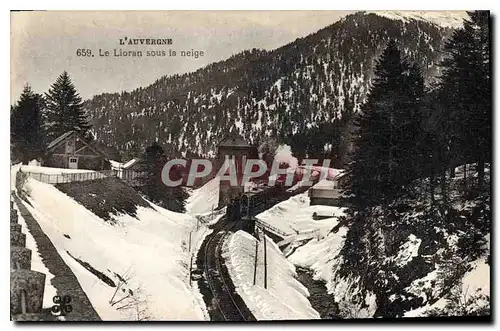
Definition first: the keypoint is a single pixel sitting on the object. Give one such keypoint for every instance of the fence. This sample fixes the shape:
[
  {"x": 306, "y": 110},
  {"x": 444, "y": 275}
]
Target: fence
[
  {"x": 301, "y": 235},
  {"x": 70, "y": 177},
  {"x": 131, "y": 177},
  {"x": 271, "y": 228}
]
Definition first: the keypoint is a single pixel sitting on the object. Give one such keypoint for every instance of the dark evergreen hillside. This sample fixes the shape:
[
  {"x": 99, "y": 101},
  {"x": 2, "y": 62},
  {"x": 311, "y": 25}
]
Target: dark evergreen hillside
[
  {"x": 422, "y": 185},
  {"x": 285, "y": 93}
]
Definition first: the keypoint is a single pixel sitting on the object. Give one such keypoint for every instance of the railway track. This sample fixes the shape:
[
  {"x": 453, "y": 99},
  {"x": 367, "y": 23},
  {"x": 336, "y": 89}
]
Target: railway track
[
  {"x": 225, "y": 300},
  {"x": 230, "y": 305}
]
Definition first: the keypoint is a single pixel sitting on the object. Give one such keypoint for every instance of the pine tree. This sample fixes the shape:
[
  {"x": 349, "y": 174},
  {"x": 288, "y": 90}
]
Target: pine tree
[
  {"x": 409, "y": 143},
  {"x": 386, "y": 157},
  {"x": 153, "y": 160},
  {"x": 465, "y": 93},
  {"x": 65, "y": 110},
  {"x": 26, "y": 126},
  {"x": 298, "y": 145}
]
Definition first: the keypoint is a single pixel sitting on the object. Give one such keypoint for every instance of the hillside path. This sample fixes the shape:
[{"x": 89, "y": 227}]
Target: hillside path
[{"x": 64, "y": 280}]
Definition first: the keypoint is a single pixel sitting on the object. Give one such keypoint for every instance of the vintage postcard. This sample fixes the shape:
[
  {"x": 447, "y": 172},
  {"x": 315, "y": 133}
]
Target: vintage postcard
[{"x": 250, "y": 165}]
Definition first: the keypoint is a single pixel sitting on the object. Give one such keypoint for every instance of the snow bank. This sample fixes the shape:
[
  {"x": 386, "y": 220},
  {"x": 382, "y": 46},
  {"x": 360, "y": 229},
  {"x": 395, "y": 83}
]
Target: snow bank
[
  {"x": 34, "y": 163},
  {"x": 295, "y": 215},
  {"x": 51, "y": 171},
  {"x": 325, "y": 184},
  {"x": 408, "y": 250},
  {"x": 150, "y": 248},
  {"x": 319, "y": 256},
  {"x": 474, "y": 283},
  {"x": 478, "y": 279},
  {"x": 13, "y": 172},
  {"x": 37, "y": 263},
  {"x": 204, "y": 199},
  {"x": 115, "y": 165},
  {"x": 285, "y": 297}
]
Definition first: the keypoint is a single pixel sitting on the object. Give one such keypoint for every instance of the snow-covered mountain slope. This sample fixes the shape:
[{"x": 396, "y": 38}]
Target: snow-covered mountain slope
[
  {"x": 409, "y": 262},
  {"x": 290, "y": 91},
  {"x": 149, "y": 251},
  {"x": 412, "y": 254},
  {"x": 472, "y": 294},
  {"x": 284, "y": 299},
  {"x": 444, "y": 18},
  {"x": 204, "y": 199}
]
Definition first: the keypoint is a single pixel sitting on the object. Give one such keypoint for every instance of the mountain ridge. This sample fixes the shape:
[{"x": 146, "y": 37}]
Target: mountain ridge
[
  {"x": 445, "y": 19},
  {"x": 313, "y": 81}
]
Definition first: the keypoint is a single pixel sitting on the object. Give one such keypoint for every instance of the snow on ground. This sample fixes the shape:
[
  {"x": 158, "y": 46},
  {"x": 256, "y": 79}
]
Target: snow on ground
[
  {"x": 204, "y": 199},
  {"x": 34, "y": 163},
  {"x": 444, "y": 18},
  {"x": 285, "y": 297},
  {"x": 152, "y": 249},
  {"x": 421, "y": 311},
  {"x": 319, "y": 256},
  {"x": 115, "y": 165},
  {"x": 295, "y": 215},
  {"x": 13, "y": 172},
  {"x": 325, "y": 184},
  {"x": 477, "y": 281},
  {"x": 200, "y": 237},
  {"x": 51, "y": 171},
  {"x": 120, "y": 166},
  {"x": 37, "y": 263},
  {"x": 130, "y": 162},
  {"x": 474, "y": 282},
  {"x": 408, "y": 250}
]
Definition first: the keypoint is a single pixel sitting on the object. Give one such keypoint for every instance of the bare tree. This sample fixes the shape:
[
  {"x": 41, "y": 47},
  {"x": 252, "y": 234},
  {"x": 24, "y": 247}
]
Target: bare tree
[{"x": 133, "y": 302}]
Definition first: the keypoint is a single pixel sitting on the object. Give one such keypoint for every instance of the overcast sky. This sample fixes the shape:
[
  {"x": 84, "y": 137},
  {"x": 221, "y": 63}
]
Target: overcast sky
[{"x": 43, "y": 44}]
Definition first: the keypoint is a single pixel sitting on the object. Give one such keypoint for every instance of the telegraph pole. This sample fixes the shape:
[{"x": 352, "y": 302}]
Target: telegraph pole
[
  {"x": 190, "y": 241},
  {"x": 255, "y": 261},
  {"x": 190, "y": 269},
  {"x": 265, "y": 259},
  {"x": 248, "y": 206}
]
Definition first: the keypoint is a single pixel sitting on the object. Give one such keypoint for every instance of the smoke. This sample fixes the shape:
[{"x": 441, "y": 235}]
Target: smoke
[
  {"x": 267, "y": 147},
  {"x": 284, "y": 154}
]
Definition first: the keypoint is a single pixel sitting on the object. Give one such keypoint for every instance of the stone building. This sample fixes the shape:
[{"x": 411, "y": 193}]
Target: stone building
[
  {"x": 328, "y": 192},
  {"x": 233, "y": 148}
]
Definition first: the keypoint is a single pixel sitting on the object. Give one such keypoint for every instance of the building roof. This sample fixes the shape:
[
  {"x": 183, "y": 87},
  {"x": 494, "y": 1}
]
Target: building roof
[
  {"x": 62, "y": 137},
  {"x": 56, "y": 142},
  {"x": 111, "y": 152},
  {"x": 342, "y": 174},
  {"x": 130, "y": 163},
  {"x": 325, "y": 184},
  {"x": 233, "y": 139}
]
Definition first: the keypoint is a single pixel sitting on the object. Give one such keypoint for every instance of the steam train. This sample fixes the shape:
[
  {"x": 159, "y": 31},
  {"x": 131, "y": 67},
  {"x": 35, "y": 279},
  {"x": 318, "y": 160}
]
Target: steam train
[
  {"x": 254, "y": 201},
  {"x": 262, "y": 196}
]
